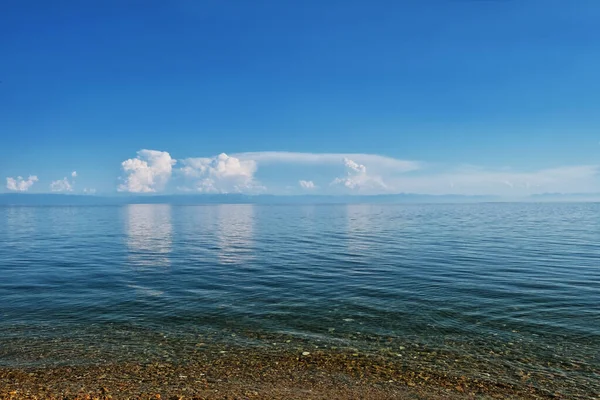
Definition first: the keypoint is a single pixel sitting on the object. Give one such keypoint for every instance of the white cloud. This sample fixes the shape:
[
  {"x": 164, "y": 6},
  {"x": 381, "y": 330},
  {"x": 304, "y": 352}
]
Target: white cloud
[
  {"x": 221, "y": 174},
  {"x": 364, "y": 174},
  {"x": 148, "y": 172},
  {"x": 62, "y": 185},
  {"x": 357, "y": 178},
  {"x": 374, "y": 161},
  {"x": 307, "y": 184},
  {"x": 361, "y": 169},
  {"x": 19, "y": 184},
  {"x": 479, "y": 181},
  {"x": 89, "y": 191}
]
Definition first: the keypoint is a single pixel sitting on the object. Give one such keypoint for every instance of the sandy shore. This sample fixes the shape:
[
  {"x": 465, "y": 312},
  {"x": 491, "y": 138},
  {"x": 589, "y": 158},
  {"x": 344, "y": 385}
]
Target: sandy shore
[{"x": 257, "y": 375}]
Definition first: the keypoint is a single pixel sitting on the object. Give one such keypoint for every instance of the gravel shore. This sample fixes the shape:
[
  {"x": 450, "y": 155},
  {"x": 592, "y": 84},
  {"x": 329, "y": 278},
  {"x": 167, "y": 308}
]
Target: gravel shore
[{"x": 245, "y": 374}]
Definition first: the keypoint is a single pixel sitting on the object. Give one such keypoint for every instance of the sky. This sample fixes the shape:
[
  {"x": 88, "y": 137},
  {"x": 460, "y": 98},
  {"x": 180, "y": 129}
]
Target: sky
[{"x": 492, "y": 97}]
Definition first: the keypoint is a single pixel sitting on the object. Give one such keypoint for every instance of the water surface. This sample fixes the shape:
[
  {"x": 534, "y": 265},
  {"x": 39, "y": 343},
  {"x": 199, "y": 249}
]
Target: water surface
[{"x": 509, "y": 289}]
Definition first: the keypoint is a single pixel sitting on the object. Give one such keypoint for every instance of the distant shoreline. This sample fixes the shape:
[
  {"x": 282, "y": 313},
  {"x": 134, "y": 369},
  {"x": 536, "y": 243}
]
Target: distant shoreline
[{"x": 39, "y": 199}]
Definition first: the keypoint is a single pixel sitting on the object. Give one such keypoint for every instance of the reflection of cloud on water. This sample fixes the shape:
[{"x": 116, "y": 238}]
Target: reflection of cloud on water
[
  {"x": 235, "y": 230},
  {"x": 19, "y": 231},
  {"x": 144, "y": 291},
  {"x": 360, "y": 227},
  {"x": 149, "y": 234},
  {"x": 19, "y": 220}
]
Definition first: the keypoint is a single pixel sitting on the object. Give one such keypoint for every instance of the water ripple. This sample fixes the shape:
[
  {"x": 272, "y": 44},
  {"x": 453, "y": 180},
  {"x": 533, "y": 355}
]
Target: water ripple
[{"x": 476, "y": 276}]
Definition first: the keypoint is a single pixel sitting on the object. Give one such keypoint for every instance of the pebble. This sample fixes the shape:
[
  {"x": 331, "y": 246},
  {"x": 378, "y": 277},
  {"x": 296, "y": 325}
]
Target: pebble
[{"x": 154, "y": 378}]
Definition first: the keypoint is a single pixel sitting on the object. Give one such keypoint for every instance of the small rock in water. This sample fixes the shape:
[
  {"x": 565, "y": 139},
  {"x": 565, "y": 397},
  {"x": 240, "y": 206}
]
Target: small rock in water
[{"x": 306, "y": 353}]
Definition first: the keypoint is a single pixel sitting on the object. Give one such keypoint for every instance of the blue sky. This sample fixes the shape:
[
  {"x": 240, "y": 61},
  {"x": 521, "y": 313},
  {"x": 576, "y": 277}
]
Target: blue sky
[{"x": 453, "y": 96}]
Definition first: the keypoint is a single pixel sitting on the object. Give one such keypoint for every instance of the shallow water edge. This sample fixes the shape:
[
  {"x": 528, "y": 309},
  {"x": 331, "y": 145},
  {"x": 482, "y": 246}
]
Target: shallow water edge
[{"x": 286, "y": 371}]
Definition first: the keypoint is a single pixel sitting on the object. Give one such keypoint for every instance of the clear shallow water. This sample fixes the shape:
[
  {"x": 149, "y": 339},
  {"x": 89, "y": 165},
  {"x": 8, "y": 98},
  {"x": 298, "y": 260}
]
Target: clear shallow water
[{"x": 502, "y": 288}]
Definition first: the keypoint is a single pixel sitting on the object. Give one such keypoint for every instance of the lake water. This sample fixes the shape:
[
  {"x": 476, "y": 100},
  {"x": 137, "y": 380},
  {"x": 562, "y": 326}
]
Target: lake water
[{"x": 479, "y": 289}]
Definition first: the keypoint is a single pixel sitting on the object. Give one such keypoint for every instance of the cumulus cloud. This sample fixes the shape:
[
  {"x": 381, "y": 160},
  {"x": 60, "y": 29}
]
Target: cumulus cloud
[
  {"x": 306, "y": 184},
  {"x": 148, "y": 172},
  {"x": 19, "y": 184},
  {"x": 357, "y": 178},
  {"x": 221, "y": 174},
  {"x": 363, "y": 174},
  {"x": 61, "y": 185},
  {"x": 374, "y": 161},
  {"x": 64, "y": 185},
  {"x": 353, "y": 166}
]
